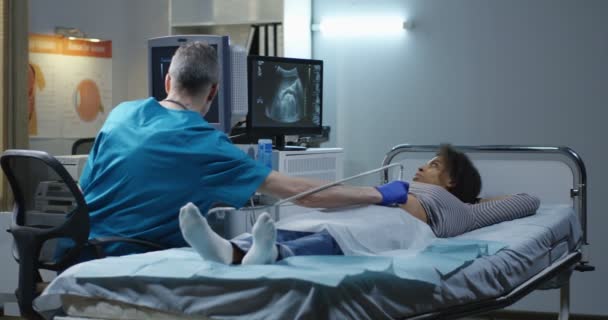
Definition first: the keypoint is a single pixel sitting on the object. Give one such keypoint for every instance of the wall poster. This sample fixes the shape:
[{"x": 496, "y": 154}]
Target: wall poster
[{"x": 70, "y": 86}]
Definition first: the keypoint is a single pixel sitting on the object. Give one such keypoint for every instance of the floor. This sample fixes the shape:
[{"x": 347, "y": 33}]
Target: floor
[
  {"x": 499, "y": 316},
  {"x": 486, "y": 318},
  {"x": 18, "y": 318}
]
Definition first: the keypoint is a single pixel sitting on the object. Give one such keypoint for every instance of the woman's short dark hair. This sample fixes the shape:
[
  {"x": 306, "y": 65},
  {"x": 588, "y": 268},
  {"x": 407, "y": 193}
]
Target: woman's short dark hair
[{"x": 466, "y": 181}]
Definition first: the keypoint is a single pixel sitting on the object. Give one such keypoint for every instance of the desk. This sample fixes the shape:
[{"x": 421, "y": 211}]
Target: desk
[{"x": 315, "y": 163}]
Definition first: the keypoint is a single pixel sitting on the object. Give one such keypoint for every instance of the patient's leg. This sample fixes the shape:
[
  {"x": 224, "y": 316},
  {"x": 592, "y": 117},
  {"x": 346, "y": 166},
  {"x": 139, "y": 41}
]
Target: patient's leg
[
  {"x": 200, "y": 236},
  {"x": 264, "y": 249}
]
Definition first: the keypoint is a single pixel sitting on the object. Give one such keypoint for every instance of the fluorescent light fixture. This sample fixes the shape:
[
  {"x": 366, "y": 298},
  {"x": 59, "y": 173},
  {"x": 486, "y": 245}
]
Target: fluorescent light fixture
[
  {"x": 74, "y": 34},
  {"x": 86, "y": 39},
  {"x": 358, "y": 26}
]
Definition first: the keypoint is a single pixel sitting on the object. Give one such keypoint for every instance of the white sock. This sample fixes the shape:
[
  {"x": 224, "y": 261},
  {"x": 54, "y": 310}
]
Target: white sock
[
  {"x": 264, "y": 249},
  {"x": 200, "y": 236}
]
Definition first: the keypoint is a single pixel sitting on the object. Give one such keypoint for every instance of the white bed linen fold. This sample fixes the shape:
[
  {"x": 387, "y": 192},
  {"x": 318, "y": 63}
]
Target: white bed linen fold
[{"x": 364, "y": 230}]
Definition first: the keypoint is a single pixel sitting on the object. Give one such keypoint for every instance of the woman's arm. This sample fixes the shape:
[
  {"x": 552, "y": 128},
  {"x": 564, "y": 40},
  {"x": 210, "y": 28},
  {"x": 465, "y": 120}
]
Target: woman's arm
[
  {"x": 413, "y": 207},
  {"x": 493, "y": 198},
  {"x": 507, "y": 208},
  {"x": 445, "y": 213}
]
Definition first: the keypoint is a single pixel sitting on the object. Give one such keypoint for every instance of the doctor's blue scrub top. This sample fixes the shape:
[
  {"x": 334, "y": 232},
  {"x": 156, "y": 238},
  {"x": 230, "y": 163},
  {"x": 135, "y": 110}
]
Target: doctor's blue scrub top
[{"x": 149, "y": 161}]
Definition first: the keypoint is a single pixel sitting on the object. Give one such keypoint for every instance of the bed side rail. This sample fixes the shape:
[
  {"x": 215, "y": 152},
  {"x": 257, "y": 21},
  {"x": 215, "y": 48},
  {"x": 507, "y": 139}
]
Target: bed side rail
[{"x": 578, "y": 191}]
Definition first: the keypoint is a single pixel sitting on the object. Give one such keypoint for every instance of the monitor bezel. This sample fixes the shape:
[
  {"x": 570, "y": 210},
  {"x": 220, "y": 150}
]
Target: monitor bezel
[
  {"x": 261, "y": 131},
  {"x": 223, "y": 53}
]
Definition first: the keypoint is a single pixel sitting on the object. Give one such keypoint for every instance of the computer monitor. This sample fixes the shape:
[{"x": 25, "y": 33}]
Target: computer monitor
[
  {"x": 285, "y": 97},
  {"x": 160, "y": 52}
]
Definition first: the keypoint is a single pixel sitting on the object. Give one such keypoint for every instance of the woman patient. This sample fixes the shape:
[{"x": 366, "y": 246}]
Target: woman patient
[{"x": 443, "y": 194}]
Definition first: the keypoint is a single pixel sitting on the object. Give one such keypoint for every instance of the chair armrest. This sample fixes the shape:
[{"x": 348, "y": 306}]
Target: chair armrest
[{"x": 98, "y": 242}]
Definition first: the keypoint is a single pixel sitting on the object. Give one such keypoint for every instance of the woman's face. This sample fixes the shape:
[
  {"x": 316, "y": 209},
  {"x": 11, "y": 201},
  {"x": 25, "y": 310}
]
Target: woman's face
[{"x": 434, "y": 172}]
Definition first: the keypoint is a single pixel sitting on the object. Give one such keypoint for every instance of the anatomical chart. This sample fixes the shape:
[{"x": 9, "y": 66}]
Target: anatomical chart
[{"x": 70, "y": 86}]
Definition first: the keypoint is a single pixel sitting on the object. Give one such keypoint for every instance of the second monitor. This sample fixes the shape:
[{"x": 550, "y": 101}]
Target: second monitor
[{"x": 285, "y": 97}]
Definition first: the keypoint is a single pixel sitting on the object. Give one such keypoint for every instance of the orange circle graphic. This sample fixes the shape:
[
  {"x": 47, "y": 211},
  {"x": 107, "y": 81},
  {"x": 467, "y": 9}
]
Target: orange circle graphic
[
  {"x": 31, "y": 83},
  {"x": 87, "y": 100}
]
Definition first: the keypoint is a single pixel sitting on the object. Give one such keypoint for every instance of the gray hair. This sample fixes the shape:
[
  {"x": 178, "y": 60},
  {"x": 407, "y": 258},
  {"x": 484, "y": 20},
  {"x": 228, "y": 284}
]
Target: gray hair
[{"x": 194, "y": 67}]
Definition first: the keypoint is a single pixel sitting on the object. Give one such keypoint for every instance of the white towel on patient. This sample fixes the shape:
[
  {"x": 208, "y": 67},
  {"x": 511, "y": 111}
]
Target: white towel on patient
[{"x": 366, "y": 230}]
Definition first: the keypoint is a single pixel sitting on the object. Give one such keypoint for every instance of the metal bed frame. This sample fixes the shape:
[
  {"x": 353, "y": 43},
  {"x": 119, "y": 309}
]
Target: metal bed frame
[{"x": 576, "y": 259}]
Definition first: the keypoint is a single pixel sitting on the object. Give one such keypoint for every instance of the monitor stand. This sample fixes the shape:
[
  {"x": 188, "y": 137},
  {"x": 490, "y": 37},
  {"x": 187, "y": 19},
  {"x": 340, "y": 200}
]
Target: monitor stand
[{"x": 279, "y": 144}]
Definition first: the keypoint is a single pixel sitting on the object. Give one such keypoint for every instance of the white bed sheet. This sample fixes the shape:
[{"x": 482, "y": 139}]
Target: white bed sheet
[{"x": 533, "y": 243}]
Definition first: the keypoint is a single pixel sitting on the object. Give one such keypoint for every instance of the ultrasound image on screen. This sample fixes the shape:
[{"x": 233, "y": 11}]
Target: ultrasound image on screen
[
  {"x": 286, "y": 94},
  {"x": 161, "y": 59}
]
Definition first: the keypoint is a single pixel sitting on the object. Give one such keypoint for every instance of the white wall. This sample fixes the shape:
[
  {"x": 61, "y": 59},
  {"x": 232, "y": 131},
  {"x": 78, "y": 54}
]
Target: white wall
[
  {"x": 147, "y": 19},
  {"x": 127, "y": 23},
  {"x": 478, "y": 72}
]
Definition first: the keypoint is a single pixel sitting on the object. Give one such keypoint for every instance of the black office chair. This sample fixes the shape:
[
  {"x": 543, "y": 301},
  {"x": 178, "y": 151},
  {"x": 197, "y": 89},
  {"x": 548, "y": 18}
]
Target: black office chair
[
  {"x": 50, "y": 223},
  {"x": 82, "y": 146}
]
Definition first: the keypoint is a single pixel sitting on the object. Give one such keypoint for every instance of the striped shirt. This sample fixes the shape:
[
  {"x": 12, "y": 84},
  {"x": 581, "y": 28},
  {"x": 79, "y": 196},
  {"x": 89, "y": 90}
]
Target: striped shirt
[{"x": 449, "y": 217}]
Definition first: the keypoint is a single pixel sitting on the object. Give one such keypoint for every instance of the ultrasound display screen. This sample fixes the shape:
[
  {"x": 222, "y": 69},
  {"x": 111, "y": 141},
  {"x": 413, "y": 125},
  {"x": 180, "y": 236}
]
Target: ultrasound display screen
[
  {"x": 285, "y": 93},
  {"x": 161, "y": 59}
]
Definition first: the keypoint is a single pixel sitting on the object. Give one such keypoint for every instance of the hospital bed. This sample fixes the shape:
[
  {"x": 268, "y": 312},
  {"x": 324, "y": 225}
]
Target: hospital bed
[{"x": 482, "y": 270}]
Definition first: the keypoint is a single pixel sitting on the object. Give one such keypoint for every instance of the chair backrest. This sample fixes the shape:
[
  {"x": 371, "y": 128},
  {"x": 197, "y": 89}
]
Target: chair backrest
[
  {"x": 50, "y": 218},
  {"x": 82, "y": 146}
]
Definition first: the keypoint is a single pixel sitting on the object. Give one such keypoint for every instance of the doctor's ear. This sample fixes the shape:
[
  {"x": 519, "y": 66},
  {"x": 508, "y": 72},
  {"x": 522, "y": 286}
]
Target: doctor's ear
[
  {"x": 212, "y": 91},
  {"x": 167, "y": 83}
]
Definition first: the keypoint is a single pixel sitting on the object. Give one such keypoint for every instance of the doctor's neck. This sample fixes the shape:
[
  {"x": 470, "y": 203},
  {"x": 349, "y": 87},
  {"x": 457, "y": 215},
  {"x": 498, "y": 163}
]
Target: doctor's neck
[{"x": 183, "y": 102}]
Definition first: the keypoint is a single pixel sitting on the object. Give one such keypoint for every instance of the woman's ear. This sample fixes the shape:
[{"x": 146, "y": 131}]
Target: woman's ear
[
  {"x": 447, "y": 181},
  {"x": 450, "y": 183}
]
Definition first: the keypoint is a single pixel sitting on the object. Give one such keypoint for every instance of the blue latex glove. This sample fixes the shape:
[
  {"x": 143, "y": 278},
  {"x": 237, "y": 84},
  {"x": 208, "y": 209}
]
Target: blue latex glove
[{"x": 394, "y": 192}]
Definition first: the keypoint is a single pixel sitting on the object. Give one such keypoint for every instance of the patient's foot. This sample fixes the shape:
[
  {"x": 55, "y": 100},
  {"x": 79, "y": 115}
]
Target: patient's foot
[
  {"x": 264, "y": 249},
  {"x": 200, "y": 236}
]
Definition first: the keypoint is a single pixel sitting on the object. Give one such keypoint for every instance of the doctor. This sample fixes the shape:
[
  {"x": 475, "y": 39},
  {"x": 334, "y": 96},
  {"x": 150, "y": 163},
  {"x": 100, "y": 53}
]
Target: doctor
[{"x": 150, "y": 157}]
